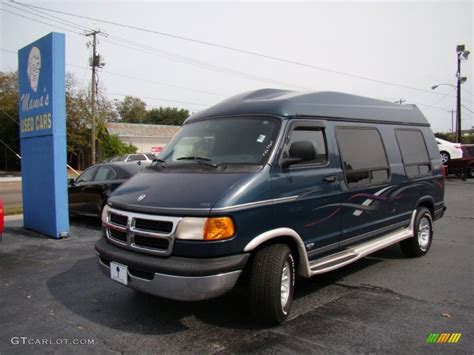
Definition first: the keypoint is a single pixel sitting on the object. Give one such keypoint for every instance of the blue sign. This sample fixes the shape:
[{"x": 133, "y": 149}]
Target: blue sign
[{"x": 42, "y": 110}]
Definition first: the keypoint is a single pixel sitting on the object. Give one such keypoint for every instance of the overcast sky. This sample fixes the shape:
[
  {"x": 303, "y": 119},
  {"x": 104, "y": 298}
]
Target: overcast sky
[{"x": 410, "y": 44}]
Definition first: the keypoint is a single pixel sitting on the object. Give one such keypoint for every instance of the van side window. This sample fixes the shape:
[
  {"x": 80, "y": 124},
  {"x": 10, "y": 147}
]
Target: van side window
[
  {"x": 414, "y": 152},
  {"x": 307, "y": 144},
  {"x": 363, "y": 156}
]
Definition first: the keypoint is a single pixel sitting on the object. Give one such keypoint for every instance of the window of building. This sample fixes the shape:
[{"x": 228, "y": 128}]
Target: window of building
[
  {"x": 307, "y": 144},
  {"x": 363, "y": 156},
  {"x": 414, "y": 152}
]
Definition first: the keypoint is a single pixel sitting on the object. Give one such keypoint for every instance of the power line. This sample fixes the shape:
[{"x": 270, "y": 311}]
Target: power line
[
  {"x": 467, "y": 108},
  {"x": 105, "y": 71},
  {"x": 216, "y": 45},
  {"x": 172, "y": 56},
  {"x": 431, "y": 106},
  {"x": 10, "y": 116},
  {"x": 7, "y": 50},
  {"x": 44, "y": 23},
  {"x": 177, "y": 57},
  {"x": 47, "y": 17}
]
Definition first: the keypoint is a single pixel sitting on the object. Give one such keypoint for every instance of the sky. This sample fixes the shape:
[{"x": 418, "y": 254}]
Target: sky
[{"x": 387, "y": 50}]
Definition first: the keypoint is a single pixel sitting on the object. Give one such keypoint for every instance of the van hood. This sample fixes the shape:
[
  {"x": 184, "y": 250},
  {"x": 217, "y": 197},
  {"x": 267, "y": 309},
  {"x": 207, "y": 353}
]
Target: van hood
[{"x": 169, "y": 193}]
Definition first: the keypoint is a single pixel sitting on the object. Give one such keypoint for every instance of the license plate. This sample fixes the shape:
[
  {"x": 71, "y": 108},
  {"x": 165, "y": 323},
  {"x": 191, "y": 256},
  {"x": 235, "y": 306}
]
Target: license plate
[{"x": 118, "y": 272}]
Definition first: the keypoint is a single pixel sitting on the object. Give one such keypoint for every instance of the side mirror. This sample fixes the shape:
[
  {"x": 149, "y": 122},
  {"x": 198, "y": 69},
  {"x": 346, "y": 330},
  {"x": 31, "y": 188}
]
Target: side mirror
[
  {"x": 71, "y": 181},
  {"x": 286, "y": 162}
]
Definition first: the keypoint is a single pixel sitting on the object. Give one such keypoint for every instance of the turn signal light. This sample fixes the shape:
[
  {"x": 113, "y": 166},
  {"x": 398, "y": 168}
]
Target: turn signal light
[{"x": 218, "y": 228}]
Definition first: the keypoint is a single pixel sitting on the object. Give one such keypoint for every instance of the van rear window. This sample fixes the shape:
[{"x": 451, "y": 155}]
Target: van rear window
[
  {"x": 363, "y": 156},
  {"x": 414, "y": 152}
]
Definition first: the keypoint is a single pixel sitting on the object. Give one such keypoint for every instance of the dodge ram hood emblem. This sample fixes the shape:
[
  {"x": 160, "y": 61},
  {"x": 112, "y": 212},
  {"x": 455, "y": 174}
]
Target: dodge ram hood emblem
[{"x": 141, "y": 197}]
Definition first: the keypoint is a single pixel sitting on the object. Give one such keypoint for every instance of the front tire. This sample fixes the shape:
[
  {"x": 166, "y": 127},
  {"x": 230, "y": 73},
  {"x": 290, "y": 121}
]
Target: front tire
[
  {"x": 420, "y": 243},
  {"x": 271, "y": 285}
]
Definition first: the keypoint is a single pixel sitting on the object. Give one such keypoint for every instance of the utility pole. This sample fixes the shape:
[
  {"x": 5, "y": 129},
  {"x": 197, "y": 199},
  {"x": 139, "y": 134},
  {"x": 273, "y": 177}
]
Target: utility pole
[
  {"x": 462, "y": 54},
  {"x": 93, "y": 63},
  {"x": 401, "y": 101},
  {"x": 452, "y": 120}
]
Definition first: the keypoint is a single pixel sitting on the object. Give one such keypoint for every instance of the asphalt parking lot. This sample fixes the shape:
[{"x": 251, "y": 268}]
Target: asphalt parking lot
[{"x": 52, "y": 293}]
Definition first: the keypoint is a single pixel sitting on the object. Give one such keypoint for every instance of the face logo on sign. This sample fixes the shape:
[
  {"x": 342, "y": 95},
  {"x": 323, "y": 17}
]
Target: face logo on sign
[{"x": 34, "y": 66}]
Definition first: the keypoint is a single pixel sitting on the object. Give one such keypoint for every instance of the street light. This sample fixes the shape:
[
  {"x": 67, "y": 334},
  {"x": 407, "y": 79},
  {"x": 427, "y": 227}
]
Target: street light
[
  {"x": 463, "y": 80},
  {"x": 462, "y": 54}
]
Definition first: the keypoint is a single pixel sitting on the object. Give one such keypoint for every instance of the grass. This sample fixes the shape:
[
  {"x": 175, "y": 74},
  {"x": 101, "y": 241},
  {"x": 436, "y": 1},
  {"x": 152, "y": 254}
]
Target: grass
[{"x": 13, "y": 210}]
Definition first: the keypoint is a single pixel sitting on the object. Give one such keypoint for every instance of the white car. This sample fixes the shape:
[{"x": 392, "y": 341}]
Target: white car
[{"x": 449, "y": 150}]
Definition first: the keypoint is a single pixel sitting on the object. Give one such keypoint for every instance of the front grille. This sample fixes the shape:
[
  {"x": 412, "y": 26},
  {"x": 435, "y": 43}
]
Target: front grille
[
  {"x": 164, "y": 227},
  {"x": 119, "y": 235},
  {"x": 140, "y": 232},
  {"x": 150, "y": 242},
  {"x": 118, "y": 219}
]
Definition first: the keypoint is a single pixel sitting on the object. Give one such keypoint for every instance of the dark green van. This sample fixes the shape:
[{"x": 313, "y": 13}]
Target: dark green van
[{"x": 272, "y": 184}]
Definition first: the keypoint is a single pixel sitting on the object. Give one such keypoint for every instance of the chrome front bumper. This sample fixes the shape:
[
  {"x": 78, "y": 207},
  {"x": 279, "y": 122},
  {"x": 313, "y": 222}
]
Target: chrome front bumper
[{"x": 182, "y": 288}]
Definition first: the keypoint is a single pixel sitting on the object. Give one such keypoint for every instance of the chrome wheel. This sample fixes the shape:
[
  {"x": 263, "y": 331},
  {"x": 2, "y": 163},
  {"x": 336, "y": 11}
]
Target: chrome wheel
[
  {"x": 424, "y": 233},
  {"x": 444, "y": 157},
  {"x": 285, "y": 285}
]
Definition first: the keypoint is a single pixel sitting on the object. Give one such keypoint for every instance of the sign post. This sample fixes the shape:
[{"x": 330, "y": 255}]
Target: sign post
[{"x": 42, "y": 110}]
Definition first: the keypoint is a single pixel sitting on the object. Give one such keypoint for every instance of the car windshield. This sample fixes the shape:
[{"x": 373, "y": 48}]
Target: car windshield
[{"x": 236, "y": 140}]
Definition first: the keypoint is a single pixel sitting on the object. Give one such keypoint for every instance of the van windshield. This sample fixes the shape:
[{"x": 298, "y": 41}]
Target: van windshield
[{"x": 236, "y": 140}]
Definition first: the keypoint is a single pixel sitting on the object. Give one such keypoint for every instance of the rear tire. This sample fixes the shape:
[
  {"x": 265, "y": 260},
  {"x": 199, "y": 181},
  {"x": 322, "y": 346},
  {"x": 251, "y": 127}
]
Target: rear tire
[
  {"x": 421, "y": 242},
  {"x": 444, "y": 157},
  {"x": 271, "y": 284}
]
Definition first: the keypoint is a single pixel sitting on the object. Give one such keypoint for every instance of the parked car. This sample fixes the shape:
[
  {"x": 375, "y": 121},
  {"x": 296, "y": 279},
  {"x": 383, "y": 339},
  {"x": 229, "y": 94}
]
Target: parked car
[
  {"x": 463, "y": 167},
  {"x": 90, "y": 190},
  {"x": 269, "y": 185},
  {"x": 144, "y": 157},
  {"x": 448, "y": 150}
]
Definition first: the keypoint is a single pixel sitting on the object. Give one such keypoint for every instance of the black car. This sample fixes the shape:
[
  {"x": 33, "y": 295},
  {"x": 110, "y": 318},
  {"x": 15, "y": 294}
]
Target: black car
[{"x": 88, "y": 193}]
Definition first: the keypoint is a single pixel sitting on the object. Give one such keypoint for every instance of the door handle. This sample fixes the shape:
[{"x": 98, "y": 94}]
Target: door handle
[{"x": 329, "y": 179}]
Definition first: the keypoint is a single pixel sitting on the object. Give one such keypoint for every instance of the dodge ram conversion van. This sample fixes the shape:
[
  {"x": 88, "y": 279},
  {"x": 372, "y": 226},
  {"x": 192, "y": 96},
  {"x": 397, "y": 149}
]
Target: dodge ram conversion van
[{"x": 272, "y": 184}]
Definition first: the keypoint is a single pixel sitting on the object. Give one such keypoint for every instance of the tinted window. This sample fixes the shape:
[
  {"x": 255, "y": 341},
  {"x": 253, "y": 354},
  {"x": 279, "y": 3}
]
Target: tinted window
[
  {"x": 414, "y": 152},
  {"x": 151, "y": 156},
  {"x": 87, "y": 175},
  {"x": 104, "y": 173},
  {"x": 363, "y": 156},
  {"x": 136, "y": 157},
  {"x": 307, "y": 144}
]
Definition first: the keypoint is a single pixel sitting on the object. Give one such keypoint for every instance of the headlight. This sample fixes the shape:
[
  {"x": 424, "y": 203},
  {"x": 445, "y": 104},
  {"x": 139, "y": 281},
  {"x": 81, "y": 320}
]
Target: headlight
[
  {"x": 191, "y": 228},
  {"x": 105, "y": 212},
  {"x": 213, "y": 228}
]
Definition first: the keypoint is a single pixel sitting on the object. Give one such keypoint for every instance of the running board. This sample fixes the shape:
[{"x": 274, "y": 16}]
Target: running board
[{"x": 357, "y": 252}]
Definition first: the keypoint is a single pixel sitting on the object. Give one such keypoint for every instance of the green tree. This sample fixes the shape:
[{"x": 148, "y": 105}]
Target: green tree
[
  {"x": 132, "y": 110},
  {"x": 112, "y": 145},
  {"x": 9, "y": 129},
  {"x": 167, "y": 116}
]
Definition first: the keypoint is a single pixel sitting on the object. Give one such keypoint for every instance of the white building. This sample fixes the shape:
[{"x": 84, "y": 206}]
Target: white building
[{"x": 148, "y": 138}]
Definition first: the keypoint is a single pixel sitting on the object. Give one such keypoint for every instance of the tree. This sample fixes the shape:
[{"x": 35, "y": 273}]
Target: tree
[
  {"x": 132, "y": 110},
  {"x": 112, "y": 145},
  {"x": 167, "y": 116},
  {"x": 9, "y": 129}
]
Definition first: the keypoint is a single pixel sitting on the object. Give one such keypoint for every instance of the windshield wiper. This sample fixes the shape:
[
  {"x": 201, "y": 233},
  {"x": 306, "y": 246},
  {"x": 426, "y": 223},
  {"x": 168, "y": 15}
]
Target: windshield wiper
[{"x": 200, "y": 160}]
